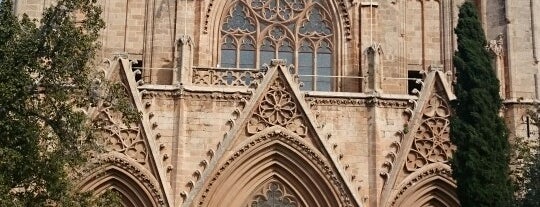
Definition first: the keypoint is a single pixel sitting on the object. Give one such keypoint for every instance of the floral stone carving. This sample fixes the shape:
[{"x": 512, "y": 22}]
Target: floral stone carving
[
  {"x": 117, "y": 137},
  {"x": 274, "y": 195},
  {"x": 278, "y": 107},
  {"x": 432, "y": 138}
]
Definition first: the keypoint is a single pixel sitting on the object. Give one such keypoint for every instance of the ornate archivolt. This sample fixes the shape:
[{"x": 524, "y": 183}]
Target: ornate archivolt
[
  {"x": 418, "y": 164},
  {"x": 432, "y": 186},
  {"x": 135, "y": 184},
  {"x": 272, "y": 154},
  {"x": 275, "y": 154}
]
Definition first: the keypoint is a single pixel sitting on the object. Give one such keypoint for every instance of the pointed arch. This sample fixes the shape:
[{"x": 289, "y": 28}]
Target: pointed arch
[
  {"x": 432, "y": 186},
  {"x": 274, "y": 155},
  {"x": 299, "y": 19},
  {"x": 136, "y": 186},
  {"x": 342, "y": 6}
]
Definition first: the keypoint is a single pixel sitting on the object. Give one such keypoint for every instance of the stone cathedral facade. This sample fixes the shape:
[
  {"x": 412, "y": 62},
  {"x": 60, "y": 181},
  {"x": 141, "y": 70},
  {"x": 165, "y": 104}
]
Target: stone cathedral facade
[{"x": 313, "y": 103}]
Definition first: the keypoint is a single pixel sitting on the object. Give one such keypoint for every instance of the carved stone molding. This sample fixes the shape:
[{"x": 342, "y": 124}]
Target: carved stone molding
[
  {"x": 278, "y": 107},
  {"x": 437, "y": 172},
  {"x": 216, "y": 96},
  {"x": 324, "y": 101},
  {"x": 196, "y": 95}
]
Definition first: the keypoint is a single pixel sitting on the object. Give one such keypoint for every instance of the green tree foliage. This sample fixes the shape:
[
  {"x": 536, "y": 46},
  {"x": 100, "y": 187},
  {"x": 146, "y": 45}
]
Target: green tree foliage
[
  {"x": 532, "y": 186},
  {"x": 481, "y": 162},
  {"x": 527, "y": 158},
  {"x": 44, "y": 70}
]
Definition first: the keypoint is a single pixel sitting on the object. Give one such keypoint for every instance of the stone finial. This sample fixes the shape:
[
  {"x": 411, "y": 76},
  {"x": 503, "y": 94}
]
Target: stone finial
[{"x": 496, "y": 46}]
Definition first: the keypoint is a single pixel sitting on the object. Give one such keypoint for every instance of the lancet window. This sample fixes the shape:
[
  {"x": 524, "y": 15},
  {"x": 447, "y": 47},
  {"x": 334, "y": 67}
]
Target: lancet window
[{"x": 300, "y": 31}]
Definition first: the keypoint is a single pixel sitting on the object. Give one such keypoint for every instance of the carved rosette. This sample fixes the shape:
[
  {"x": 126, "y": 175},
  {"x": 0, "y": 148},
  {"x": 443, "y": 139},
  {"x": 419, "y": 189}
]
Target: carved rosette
[
  {"x": 277, "y": 108},
  {"x": 117, "y": 137},
  {"x": 432, "y": 138},
  {"x": 274, "y": 194}
]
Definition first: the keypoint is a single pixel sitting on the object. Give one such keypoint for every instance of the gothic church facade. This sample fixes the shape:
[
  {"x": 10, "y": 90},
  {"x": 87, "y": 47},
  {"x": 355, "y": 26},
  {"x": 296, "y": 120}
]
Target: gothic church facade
[{"x": 295, "y": 102}]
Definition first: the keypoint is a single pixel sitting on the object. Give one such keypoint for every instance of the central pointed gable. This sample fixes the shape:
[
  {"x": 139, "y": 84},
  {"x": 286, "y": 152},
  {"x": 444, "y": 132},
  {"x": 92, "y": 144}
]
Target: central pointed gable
[
  {"x": 273, "y": 142},
  {"x": 278, "y": 107},
  {"x": 278, "y": 103}
]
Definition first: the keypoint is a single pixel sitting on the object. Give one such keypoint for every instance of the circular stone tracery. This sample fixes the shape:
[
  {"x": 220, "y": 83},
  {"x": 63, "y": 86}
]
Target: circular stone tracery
[
  {"x": 432, "y": 138},
  {"x": 278, "y": 107}
]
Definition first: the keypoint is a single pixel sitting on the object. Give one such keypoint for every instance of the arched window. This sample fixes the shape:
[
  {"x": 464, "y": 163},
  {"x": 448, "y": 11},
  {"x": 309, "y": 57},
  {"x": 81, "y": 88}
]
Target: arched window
[{"x": 255, "y": 31}]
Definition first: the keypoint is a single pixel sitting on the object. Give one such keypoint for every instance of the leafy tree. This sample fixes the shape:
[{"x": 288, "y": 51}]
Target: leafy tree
[
  {"x": 532, "y": 185},
  {"x": 44, "y": 80},
  {"x": 481, "y": 162},
  {"x": 527, "y": 165}
]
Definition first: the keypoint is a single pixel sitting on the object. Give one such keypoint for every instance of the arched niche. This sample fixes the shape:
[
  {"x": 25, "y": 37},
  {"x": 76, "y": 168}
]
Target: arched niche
[
  {"x": 251, "y": 169},
  {"x": 135, "y": 187},
  {"x": 432, "y": 186}
]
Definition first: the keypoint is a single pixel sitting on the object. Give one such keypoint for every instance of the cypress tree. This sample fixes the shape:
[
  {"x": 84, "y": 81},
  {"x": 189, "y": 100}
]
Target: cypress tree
[{"x": 481, "y": 163}]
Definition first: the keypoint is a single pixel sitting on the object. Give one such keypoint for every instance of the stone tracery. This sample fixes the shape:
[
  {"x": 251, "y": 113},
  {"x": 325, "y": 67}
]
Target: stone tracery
[
  {"x": 277, "y": 108},
  {"x": 431, "y": 140},
  {"x": 300, "y": 31},
  {"x": 275, "y": 195},
  {"x": 120, "y": 138}
]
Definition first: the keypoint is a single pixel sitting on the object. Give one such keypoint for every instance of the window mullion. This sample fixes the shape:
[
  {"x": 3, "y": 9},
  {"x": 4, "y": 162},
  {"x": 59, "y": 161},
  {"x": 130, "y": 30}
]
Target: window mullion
[
  {"x": 238, "y": 46},
  {"x": 315, "y": 69}
]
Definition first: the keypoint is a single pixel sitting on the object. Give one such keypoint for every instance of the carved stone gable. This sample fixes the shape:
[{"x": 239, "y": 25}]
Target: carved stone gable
[
  {"x": 431, "y": 139},
  {"x": 278, "y": 107},
  {"x": 273, "y": 155},
  {"x": 425, "y": 150}
]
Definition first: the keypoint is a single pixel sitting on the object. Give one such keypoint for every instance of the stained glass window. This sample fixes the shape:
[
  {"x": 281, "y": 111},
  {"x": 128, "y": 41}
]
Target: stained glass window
[{"x": 255, "y": 31}]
